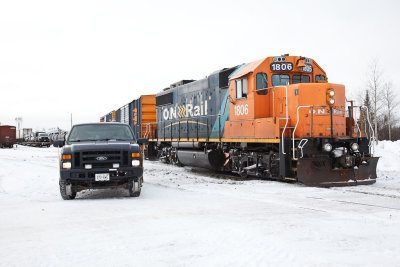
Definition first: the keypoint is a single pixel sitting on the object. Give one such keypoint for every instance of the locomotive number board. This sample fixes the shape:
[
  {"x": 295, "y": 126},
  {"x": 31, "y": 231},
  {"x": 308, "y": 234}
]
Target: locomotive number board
[
  {"x": 288, "y": 66},
  {"x": 281, "y": 66},
  {"x": 308, "y": 68}
]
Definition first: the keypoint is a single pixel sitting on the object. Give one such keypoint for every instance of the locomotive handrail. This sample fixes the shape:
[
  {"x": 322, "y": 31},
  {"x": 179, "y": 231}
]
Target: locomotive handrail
[
  {"x": 147, "y": 130},
  {"x": 297, "y": 123},
  {"x": 302, "y": 143},
  {"x": 371, "y": 137},
  {"x": 145, "y": 134},
  {"x": 359, "y": 131},
  {"x": 287, "y": 120},
  {"x": 185, "y": 121}
]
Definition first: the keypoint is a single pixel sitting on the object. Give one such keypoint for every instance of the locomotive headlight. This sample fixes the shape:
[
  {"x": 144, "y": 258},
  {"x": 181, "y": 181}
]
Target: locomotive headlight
[
  {"x": 330, "y": 96},
  {"x": 327, "y": 147},
  {"x": 355, "y": 146}
]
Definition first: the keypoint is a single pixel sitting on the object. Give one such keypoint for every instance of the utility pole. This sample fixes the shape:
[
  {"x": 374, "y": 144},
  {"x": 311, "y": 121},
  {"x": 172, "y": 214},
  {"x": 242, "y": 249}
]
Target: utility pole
[{"x": 70, "y": 113}]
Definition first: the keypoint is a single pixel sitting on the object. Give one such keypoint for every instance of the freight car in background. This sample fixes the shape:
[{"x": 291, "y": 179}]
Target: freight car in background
[
  {"x": 26, "y": 133},
  {"x": 274, "y": 118},
  {"x": 8, "y": 136},
  {"x": 138, "y": 114}
]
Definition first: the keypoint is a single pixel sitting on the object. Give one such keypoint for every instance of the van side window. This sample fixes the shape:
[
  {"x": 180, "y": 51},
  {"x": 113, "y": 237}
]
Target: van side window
[{"x": 241, "y": 88}]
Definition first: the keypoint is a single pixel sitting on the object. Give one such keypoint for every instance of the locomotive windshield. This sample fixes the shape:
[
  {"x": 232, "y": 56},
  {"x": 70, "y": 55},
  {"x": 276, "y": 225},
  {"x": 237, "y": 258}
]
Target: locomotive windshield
[
  {"x": 100, "y": 132},
  {"x": 280, "y": 79},
  {"x": 301, "y": 79}
]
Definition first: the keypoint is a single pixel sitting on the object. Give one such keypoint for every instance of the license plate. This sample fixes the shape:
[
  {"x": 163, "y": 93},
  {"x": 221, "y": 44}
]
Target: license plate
[{"x": 102, "y": 177}]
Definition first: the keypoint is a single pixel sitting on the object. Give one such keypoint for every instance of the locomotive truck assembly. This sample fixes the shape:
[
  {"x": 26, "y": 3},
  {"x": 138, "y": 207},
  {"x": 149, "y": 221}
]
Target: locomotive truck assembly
[{"x": 275, "y": 118}]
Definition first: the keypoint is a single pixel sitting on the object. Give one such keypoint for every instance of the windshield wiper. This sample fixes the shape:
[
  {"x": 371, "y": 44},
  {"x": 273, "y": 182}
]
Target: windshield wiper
[
  {"x": 113, "y": 139},
  {"x": 83, "y": 140},
  {"x": 104, "y": 139}
]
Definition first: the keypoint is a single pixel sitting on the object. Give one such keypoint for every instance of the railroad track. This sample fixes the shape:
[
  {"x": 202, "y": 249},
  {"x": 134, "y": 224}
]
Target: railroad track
[
  {"x": 355, "y": 203},
  {"x": 373, "y": 193}
]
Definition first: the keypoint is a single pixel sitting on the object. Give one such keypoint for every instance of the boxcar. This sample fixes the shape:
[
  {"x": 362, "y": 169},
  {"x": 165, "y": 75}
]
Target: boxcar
[{"x": 8, "y": 136}]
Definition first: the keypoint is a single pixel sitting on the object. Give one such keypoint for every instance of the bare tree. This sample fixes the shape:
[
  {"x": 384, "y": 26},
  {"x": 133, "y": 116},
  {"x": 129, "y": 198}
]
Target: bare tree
[
  {"x": 374, "y": 86},
  {"x": 391, "y": 103}
]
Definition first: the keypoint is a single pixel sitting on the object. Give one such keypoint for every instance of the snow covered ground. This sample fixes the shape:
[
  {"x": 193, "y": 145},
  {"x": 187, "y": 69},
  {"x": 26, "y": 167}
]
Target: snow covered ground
[{"x": 189, "y": 217}]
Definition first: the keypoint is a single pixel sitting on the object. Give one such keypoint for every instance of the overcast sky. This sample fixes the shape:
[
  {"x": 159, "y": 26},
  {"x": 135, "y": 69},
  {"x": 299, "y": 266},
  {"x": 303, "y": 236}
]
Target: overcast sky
[{"x": 90, "y": 57}]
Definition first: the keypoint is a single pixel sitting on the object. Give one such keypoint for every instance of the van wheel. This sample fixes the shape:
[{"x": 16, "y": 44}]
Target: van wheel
[
  {"x": 64, "y": 193},
  {"x": 133, "y": 193}
]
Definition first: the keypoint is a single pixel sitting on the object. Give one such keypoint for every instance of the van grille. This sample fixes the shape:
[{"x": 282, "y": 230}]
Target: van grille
[{"x": 101, "y": 159}]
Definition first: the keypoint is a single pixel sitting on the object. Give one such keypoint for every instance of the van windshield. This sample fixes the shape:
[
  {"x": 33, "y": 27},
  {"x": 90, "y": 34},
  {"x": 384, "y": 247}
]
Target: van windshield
[{"x": 101, "y": 132}]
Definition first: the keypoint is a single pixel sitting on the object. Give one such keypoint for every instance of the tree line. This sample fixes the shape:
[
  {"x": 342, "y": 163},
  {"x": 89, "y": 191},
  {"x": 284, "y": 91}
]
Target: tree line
[{"x": 382, "y": 102}]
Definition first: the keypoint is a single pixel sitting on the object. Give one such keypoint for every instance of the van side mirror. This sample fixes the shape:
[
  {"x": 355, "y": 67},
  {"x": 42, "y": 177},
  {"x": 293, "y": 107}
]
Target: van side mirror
[
  {"x": 59, "y": 143},
  {"x": 143, "y": 141}
]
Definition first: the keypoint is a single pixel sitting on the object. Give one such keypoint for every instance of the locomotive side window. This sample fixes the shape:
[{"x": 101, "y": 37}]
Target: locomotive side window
[
  {"x": 241, "y": 88},
  {"x": 261, "y": 83},
  {"x": 280, "y": 79},
  {"x": 301, "y": 79},
  {"x": 319, "y": 78},
  {"x": 262, "y": 80},
  {"x": 244, "y": 82}
]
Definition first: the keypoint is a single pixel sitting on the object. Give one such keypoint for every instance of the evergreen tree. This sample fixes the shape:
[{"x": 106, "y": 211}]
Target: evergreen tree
[{"x": 367, "y": 103}]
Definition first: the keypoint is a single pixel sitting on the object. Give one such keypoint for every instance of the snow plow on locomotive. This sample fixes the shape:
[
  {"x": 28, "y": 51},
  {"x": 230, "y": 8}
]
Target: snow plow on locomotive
[{"x": 274, "y": 118}]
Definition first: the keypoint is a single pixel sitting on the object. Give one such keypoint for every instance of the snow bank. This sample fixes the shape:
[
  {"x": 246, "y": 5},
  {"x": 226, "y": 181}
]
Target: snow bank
[
  {"x": 388, "y": 169},
  {"x": 389, "y": 153}
]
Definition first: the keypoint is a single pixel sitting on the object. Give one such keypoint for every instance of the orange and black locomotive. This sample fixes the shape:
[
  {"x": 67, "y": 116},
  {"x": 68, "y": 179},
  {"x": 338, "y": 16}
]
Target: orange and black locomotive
[{"x": 274, "y": 118}]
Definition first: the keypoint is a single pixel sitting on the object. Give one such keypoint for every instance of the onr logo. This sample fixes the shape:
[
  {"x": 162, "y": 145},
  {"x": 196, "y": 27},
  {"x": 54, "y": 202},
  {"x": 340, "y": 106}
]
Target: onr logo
[{"x": 184, "y": 111}]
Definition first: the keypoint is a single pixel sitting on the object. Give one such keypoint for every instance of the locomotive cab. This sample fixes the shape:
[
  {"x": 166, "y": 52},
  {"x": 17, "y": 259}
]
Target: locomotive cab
[{"x": 288, "y": 100}]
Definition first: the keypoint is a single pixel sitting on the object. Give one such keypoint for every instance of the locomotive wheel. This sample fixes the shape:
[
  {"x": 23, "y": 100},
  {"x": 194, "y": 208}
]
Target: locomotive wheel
[
  {"x": 243, "y": 174},
  {"x": 176, "y": 161}
]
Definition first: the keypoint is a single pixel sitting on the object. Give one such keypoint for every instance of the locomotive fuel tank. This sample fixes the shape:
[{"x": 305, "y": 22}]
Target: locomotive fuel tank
[{"x": 212, "y": 159}]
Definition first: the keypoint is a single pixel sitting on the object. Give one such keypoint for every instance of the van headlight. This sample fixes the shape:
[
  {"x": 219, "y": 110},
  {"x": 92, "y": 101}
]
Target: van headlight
[
  {"x": 327, "y": 147},
  {"x": 355, "y": 146},
  {"x": 135, "y": 163},
  {"x": 66, "y": 165}
]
